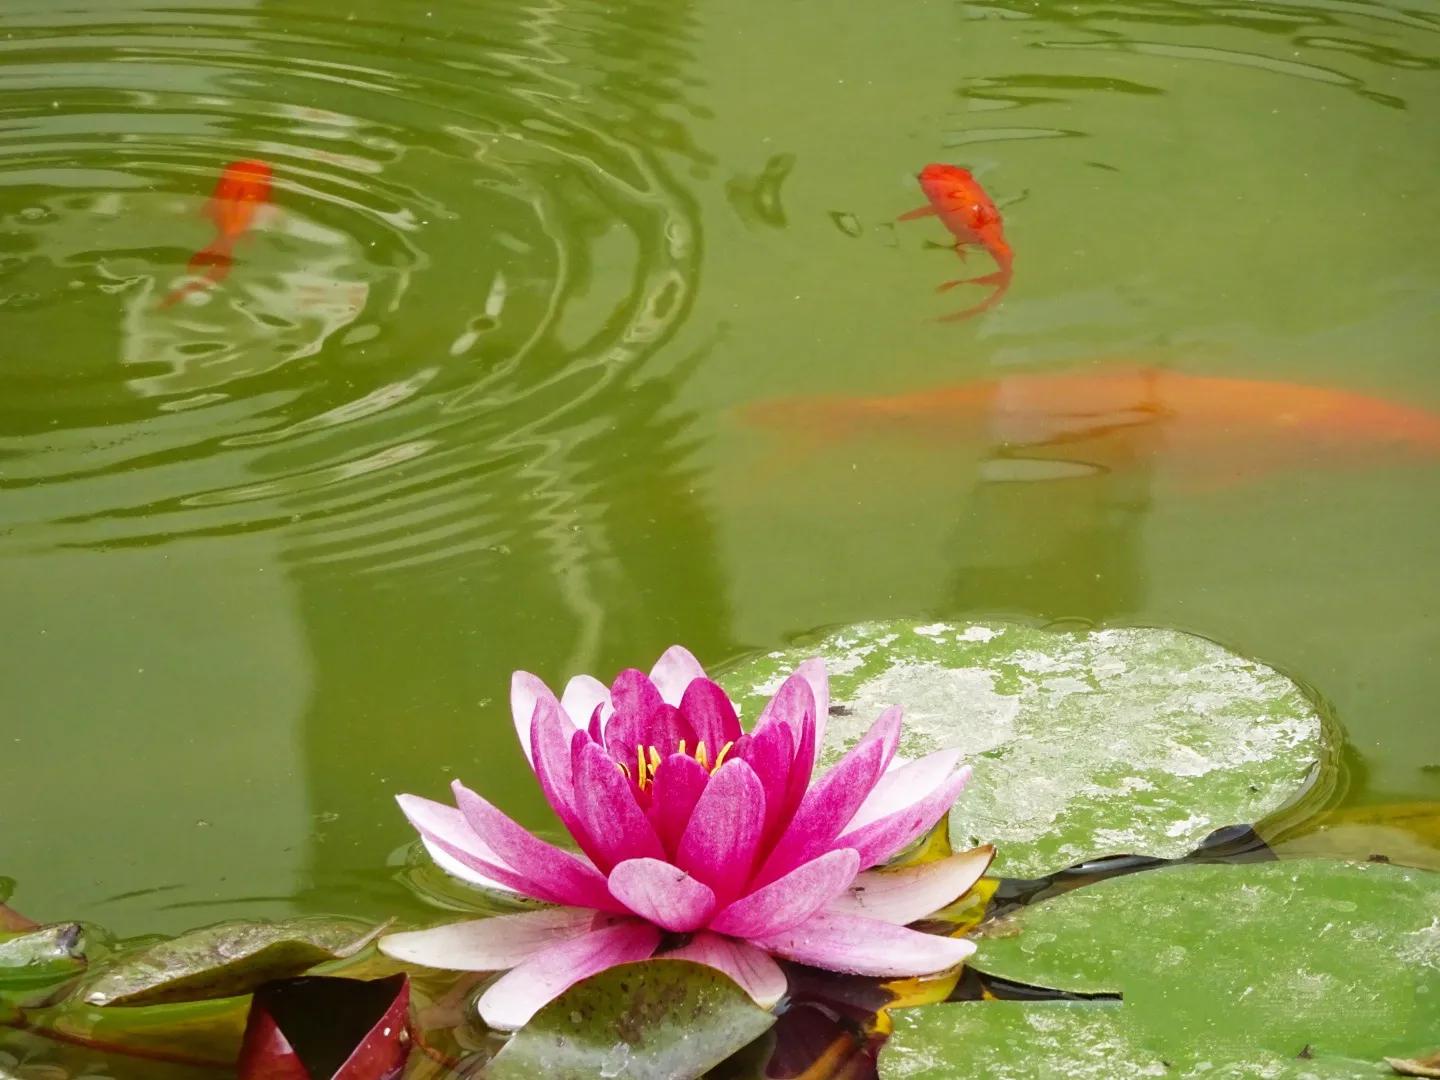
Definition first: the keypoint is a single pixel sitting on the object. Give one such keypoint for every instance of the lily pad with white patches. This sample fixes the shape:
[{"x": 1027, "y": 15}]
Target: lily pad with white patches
[
  {"x": 1084, "y": 742},
  {"x": 1293, "y": 970}
]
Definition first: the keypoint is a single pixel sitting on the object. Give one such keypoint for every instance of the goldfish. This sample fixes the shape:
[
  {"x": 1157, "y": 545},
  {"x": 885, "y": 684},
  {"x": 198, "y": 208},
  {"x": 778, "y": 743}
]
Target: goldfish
[
  {"x": 243, "y": 188},
  {"x": 1211, "y": 431},
  {"x": 967, "y": 211}
]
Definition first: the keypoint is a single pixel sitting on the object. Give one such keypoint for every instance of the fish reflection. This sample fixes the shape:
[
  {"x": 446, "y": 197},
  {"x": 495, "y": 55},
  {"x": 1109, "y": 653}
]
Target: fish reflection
[
  {"x": 967, "y": 211},
  {"x": 1206, "y": 432},
  {"x": 243, "y": 188}
]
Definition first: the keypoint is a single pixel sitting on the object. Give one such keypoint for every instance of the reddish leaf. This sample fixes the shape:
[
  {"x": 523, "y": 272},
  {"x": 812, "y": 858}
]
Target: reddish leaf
[{"x": 319, "y": 1028}]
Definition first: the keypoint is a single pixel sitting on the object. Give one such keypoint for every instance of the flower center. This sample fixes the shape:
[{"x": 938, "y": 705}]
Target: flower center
[{"x": 648, "y": 761}]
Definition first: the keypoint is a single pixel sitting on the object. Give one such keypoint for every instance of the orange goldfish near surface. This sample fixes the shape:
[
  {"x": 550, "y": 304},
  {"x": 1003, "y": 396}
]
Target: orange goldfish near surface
[
  {"x": 962, "y": 206},
  {"x": 1206, "y": 432},
  {"x": 243, "y": 188}
]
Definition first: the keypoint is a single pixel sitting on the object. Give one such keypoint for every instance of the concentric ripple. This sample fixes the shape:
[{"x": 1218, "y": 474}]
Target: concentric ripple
[{"x": 473, "y": 231}]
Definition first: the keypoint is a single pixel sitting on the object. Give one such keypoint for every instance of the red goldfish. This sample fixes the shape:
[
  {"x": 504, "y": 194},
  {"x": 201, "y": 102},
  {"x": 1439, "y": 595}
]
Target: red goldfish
[
  {"x": 960, "y": 202},
  {"x": 1208, "y": 431},
  {"x": 243, "y": 188}
]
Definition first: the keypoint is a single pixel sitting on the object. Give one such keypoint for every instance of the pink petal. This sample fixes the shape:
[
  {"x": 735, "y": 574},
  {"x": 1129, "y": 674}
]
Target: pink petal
[
  {"x": 583, "y": 695},
  {"x": 551, "y": 736},
  {"x": 832, "y": 800},
  {"x": 908, "y": 893},
  {"x": 678, "y": 784},
  {"x": 902, "y": 786},
  {"x": 790, "y": 900},
  {"x": 520, "y": 994},
  {"x": 526, "y": 691},
  {"x": 661, "y": 727},
  {"x": 813, "y": 672},
  {"x": 720, "y": 842},
  {"x": 879, "y": 841},
  {"x": 607, "y": 813},
  {"x": 489, "y": 944},
  {"x": 633, "y": 692},
  {"x": 758, "y": 975},
  {"x": 791, "y": 703},
  {"x": 710, "y": 714},
  {"x": 859, "y": 946},
  {"x": 563, "y": 877},
  {"x": 674, "y": 671},
  {"x": 769, "y": 753},
  {"x": 458, "y": 850},
  {"x": 662, "y": 894}
]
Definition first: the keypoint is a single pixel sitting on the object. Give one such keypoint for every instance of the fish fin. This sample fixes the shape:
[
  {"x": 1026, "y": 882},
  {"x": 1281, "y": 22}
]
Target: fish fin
[
  {"x": 919, "y": 212},
  {"x": 217, "y": 258},
  {"x": 945, "y": 286},
  {"x": 999, "y": 277},
  {"x": 975, "y": 309}
]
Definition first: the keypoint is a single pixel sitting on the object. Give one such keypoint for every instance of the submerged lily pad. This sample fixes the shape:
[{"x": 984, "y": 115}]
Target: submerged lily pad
[
  {"x": 655, "y": 1020},
  {"x": 1292, "y": 970},
  {"x": 228, "y": 959},
  {"x": 1084, "y": 743},
  {"x": 35, "y": 962}
]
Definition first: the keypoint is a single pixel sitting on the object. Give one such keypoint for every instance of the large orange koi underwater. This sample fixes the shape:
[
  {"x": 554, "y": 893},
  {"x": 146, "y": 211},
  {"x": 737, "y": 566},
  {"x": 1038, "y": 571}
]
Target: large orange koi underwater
[{"x": 1207, "y": 431}]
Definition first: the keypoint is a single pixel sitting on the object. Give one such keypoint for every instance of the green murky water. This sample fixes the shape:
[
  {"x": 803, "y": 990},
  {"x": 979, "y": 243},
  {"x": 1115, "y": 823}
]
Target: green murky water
[{"x": 481, "y": 391}]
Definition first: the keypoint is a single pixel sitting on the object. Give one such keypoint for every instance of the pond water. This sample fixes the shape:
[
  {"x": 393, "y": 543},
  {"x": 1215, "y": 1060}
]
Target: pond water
[{"x": 573, "y": 329}]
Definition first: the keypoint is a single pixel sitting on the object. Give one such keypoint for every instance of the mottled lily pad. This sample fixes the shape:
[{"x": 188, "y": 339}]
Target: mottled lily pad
[
  {"x": 35, "y": 962},
  {"x": 1293, "y": 970},
  {"x": 656, "y": 1020},
  {"x": 1084, "y": 743},
  {"x": 228, "y": 959}
]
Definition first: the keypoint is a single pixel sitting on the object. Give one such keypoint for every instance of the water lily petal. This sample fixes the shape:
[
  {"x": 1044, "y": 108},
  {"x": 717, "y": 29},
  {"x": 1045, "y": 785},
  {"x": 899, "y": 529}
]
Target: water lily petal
[
  {"x": 722, "y": 838},
  {"x": 521, "y": 993},
  {"x": 489, "y": 944},
  {"x": 551, "y": 736},
  {"x": 758, "y": 975},
  {"x": 674, "y": 671},
  {"x": 813, "y": 672},
  {"x": 769, "y": 753},
  {"x": 791, "y": 900},
  {"x": 583, "y": 695},
  {"x": 662, "y": 728},
  {"x": 905, "y": 784},
  {"x": 678, "y": 784},
  {"x": 662, "y": 894},
  {"x": 833, "y": 799},
  {"x": 633, "y": 692},
  {"x": 908, "y": 893},
  {"x": 710, "y": 714},
  {"x": 526, "y": 691},
  {"x": 457, "y": 849},
  {"x": 879, "y": 841},
  {"x": 858, "y": 946},
  {"x": 791, "y": 703},
  {"x": 612, "y": 822},
  {"x": 563, "y": 877}
]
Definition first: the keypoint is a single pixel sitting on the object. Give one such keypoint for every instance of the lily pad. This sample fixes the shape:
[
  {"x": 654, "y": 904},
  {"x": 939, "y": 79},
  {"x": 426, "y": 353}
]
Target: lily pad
[
  {"x": 227, "y": 959},
  {"x": 1291, "y": 970},
  {"x": 1084, "y": 743},
  {"x": 33, "y": 963},
  {"x": 655, "y": 1020}
]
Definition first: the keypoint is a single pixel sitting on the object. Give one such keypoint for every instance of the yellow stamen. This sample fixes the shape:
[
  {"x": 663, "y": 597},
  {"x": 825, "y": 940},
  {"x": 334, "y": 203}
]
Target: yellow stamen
[
  {"x": 654, "y": 760},
  {"x": 702, "y": 755},
  {"x": 640, "y": 766},
  {"x": 624, "y": 768},
  {"x": 720, "y": 758},
  {"x": 682, "y": 746}
]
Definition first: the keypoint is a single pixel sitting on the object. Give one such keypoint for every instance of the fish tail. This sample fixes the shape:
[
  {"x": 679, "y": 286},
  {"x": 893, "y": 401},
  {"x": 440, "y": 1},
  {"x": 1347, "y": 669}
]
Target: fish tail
[{"x": 1002, "y": 285}]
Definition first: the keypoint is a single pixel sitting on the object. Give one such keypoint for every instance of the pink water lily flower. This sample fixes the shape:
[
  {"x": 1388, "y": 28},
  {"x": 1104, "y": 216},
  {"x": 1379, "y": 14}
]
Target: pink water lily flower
[{"x": 697, "y": 841}]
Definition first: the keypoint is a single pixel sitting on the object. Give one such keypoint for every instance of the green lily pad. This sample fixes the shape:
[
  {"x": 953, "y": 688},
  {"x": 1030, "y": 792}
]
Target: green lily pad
[
  {"x": 1084, "y": 743},
  {"x": 33, "y": 962},
  {"x": 1281, "y": 970},
  {"x": 228, "y": 959},
  {"x": 654, "y": 1020}
]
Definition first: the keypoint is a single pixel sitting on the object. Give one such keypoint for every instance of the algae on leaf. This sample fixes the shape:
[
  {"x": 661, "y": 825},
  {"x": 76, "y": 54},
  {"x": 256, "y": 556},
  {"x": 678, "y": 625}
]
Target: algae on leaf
[
  {"x": 1297, "y": 970},
  {"x": 1084, "y": 743}
]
